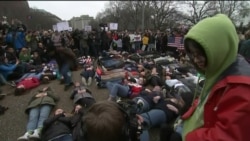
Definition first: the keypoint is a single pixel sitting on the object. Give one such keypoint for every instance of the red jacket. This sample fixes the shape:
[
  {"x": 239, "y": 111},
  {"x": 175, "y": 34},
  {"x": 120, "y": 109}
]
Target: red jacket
[
  {"x": 227, "y": 110},
  {"x": 135, "y": 90},
  {"x": 29, "y": 83}
]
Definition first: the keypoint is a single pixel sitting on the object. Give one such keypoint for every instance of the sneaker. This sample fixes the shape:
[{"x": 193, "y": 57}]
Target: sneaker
[
  {"x": 35, "y": 135},
  {"x": 25, "y": 137},
  {"x": 140, "y": 103},
  {"x": 119, "y": 100},
  {"x": 12, "y": 84}
]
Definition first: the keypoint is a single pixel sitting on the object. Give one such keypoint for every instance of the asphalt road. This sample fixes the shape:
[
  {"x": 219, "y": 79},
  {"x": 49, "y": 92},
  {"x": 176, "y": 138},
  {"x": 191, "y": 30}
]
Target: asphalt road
[{"x": 13, "y": 122}]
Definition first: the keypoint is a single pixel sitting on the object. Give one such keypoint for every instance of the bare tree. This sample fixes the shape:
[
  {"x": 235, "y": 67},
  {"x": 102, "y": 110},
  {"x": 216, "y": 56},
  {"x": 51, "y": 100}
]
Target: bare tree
[
  {"x": 133, "y": 12},
  {"x": 227, "y": 7},
  {"x": 199, "y": 10},
  {"x": 116, "y": 12},
  {"x": 236, "y": 10},
  {"x": 162, "y": 11}
]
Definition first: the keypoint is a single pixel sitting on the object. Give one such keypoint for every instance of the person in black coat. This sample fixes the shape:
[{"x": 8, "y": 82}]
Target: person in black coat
[{"x": 57, "y": 128}]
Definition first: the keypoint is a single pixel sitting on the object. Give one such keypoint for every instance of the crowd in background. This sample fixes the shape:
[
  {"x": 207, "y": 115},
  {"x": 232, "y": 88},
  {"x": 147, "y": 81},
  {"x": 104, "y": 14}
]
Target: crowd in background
[
  {"x": 22, "y": 49},
  {"x": 20, "y": 46}
]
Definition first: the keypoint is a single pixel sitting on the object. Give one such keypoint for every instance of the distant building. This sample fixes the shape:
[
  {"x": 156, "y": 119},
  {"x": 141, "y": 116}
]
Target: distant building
[{"x": 80, "y": 22}]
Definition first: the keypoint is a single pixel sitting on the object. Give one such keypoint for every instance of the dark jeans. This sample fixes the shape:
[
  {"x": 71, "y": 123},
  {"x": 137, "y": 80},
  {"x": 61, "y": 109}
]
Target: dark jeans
[
  {"x": 88, "y": 73},
  {"x": 86, "y": 102},
  {"x": 112, "y": 63},
  {"x": 93, "y": 50},
  {"x": 65, "y": 72},
  {"x": 84, "y": 51}
]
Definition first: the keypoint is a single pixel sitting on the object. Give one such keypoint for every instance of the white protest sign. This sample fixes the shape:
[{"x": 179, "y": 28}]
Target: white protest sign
[
  {"x": 62, "y": 26},
  {"x": 113, "y": 26},
  {"x": 87, "y": 28},
  {"x": 54, "y": 27}
]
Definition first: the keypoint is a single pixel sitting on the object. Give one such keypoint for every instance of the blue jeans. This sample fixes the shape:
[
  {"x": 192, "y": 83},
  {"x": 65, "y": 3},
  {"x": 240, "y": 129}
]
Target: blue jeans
[
  {"x": 88, "y": 73},
  {"x": 151, "y": 47},
  {"x": 117, "y": 89},
  {"x": 31, "y": 74},
  {"x": 111, "y": 63},
  {"x": 65, "y": 72},
  {"x": 37, "y": 116},
  {"x": 154, "y": 117},
  {"x": 66, "y": 137},
  {"x": 137, "y": 46}
]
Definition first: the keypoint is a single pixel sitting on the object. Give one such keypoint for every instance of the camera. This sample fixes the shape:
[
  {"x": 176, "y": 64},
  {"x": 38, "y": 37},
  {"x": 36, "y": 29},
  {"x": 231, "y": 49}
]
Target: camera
[{"x": 130, "y": 108}]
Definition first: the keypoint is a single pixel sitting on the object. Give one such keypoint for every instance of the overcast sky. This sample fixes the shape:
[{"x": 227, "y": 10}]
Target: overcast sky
[{"x": 68, "y": 9}]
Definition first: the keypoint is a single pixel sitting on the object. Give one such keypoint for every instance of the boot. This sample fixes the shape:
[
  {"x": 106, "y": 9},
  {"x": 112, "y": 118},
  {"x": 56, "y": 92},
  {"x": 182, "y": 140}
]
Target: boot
[
  {"x": 35, "y": 135},
  {"x": 84, "y": 82},
  {"x": 25, "y": 137},
  {"x": 89, "y": 81}
]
